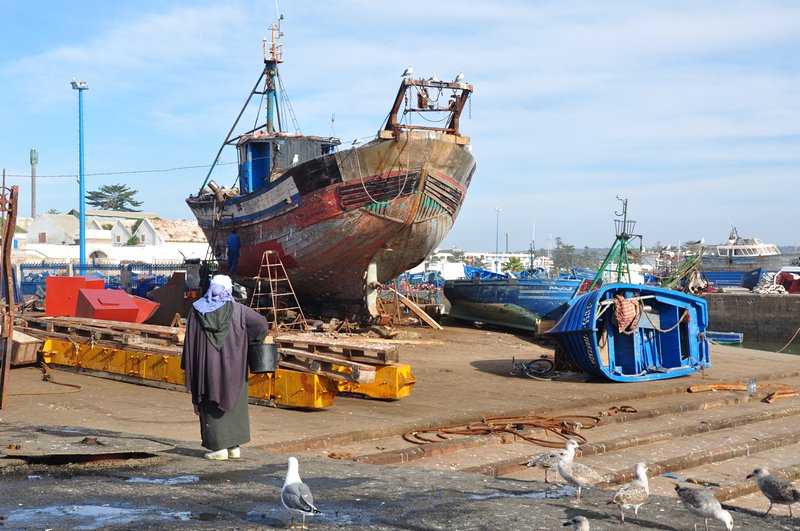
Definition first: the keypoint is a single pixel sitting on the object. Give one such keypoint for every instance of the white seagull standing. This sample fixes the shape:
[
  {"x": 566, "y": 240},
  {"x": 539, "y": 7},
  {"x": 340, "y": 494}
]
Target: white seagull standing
[
  {"x": 777, "y": 490},
  {"x": 408, "y": 72},
  {"x": 459, "y": 78},
  {"x": 575, "y": 473},
  {"x": 296, "y": 496},
  {"x": 702, "y": 503},
  {"x": 546, "y": 460},
  {"x": 632, "y": 495}
]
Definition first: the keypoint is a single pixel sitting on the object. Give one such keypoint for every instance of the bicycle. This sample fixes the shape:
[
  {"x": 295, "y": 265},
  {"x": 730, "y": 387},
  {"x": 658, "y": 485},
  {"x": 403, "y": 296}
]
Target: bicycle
[{"x": 538, "y": 369}]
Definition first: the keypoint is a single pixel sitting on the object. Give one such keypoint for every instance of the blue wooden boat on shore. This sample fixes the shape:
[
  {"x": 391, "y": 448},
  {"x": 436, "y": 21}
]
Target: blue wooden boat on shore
[
  {"x": 632, "y": 333},
  {"x": 519, "y": 303},
  {"x": 725, "y": 338}
]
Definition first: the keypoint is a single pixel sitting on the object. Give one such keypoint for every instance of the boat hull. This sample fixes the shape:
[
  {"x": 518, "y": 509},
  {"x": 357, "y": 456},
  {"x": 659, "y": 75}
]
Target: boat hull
[
  {"x": 521, "y": 304},
  {"x": 667, "y": 341},
  {"x": 343, "y": 222},
  {"x": 770, "y": 263}
]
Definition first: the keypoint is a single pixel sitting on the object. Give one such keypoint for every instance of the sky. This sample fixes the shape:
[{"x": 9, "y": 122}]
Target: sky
[{"x": 690, "y": 110}]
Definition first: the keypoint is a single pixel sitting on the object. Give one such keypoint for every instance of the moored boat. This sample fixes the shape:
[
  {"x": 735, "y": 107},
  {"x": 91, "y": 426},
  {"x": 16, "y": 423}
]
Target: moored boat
[
  {"x": 632, "y": 332},
  {"x": 342, "y": 222},
  {"x": 744, "y": 254},
  {"x": 725, "y": 338}
]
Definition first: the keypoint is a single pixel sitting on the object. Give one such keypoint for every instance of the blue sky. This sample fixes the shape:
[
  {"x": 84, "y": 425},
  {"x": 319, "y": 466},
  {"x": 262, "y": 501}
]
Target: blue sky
[{"x": 690, "y": 109}]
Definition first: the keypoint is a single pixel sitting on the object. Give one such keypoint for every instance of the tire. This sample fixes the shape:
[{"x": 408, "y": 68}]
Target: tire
[{"x": 539, "y": 369}]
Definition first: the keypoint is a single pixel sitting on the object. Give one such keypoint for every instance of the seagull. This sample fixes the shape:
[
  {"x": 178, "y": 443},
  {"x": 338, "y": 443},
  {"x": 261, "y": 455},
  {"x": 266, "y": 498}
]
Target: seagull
[
  {"x": 777, "y": 490},
  {"x": 434, "y": 78},
  {"x": 701, "y": 502},
  {"x": 408, "y": 72},
  {"x": 295, "y": 159},
  {"x": 578, "y": 523},
  {"x": 296, "y": 496},
  {"x": 546, "y": 460},
  {"x": 633, "y": 494},
  {"x": 576, "y": 473},
  {"x": 459, "y": 78}
]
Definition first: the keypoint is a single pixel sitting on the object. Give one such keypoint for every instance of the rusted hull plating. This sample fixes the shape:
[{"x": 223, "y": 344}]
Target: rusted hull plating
[{"x": 389, "y": 203}]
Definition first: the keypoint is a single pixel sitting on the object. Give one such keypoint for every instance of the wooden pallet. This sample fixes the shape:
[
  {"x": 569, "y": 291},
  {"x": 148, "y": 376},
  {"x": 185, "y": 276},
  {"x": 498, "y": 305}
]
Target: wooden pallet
[
  {"x": 109, "y": 330},
  {"x": 343, "y": 348}
]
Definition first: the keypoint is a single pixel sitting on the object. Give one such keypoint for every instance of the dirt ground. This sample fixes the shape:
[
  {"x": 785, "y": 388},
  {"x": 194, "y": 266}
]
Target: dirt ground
[{"x": 463, "y": 378}]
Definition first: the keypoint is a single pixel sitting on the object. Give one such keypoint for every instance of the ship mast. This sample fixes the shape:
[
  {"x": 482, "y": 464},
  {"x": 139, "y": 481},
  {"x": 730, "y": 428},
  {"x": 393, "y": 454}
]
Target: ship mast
[{"x": 271, "y": 62}]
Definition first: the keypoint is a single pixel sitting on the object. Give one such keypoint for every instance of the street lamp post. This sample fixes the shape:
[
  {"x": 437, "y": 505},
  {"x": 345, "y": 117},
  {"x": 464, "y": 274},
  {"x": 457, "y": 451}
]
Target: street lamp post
[
  {"x": 497, "y": 241},
  {"x": 80, "y": 86}
]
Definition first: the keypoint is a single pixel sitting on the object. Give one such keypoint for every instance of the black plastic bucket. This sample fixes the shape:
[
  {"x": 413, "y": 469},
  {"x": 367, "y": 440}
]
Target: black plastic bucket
[{"x": 262, "y": 357}]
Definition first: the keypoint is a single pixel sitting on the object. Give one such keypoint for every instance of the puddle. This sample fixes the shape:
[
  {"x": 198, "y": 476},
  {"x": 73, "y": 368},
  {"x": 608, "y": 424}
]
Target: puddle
[
  {"x": 87, "y": 517},
  {"x": 344, "y": 515},
  {"x": 563, "y": 492},
  {"x": 180, "y": 480}
]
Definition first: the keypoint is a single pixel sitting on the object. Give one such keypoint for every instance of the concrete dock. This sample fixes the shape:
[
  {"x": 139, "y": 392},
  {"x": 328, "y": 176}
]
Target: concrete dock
[{"x": 365, "y": 475}]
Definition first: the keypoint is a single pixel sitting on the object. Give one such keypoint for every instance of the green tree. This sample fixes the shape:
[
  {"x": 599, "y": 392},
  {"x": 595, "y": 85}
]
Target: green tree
[
  {"x": 134, "y": 240},
  {"x": 458, "y": 255},
  {"x": 563, "y": 255},
  {"x": 477, "y": 262},
  {"x": 588, "y": 259},
  {"x": 113, "y": 197},
  {"x": 53, "y": 211},
  {"x": 513, "y": 265}
]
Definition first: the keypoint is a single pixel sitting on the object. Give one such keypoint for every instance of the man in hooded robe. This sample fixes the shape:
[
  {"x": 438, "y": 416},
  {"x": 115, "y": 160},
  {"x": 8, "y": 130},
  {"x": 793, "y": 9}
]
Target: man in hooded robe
[{"x": 214, "y": 359}]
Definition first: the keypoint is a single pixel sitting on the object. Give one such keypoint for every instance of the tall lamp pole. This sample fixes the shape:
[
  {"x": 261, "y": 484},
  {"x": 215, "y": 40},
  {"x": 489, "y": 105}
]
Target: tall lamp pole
[
  {"x": 34, "y": 162},
  {"x": 80, "y": 86},
  {"x": 497, "y": 241}
]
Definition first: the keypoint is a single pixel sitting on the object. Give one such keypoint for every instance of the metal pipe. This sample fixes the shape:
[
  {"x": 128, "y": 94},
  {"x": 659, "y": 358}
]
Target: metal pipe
[
  {"x": 497, "y": 241},
  {"x": 80, "y": 87}
]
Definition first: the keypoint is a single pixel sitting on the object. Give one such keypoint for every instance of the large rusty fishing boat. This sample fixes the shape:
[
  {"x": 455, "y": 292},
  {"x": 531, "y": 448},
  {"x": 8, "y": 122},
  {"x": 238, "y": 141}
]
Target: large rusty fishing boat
[{"x": 342, "y": 221}]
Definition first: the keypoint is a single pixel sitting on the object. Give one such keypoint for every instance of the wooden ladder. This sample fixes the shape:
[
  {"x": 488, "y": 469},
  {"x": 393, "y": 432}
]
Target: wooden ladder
[{"x": 284, "y": 309}]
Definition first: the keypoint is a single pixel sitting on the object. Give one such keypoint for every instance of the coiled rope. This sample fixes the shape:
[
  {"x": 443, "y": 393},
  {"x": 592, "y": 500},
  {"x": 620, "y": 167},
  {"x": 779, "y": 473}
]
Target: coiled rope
[{"x": 557, "y": 429}]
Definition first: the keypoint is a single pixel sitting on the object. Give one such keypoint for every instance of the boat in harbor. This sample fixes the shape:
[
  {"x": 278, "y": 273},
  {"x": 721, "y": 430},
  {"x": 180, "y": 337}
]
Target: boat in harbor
[
  {"x": 531, "y": 304},
  {"x": 743, "y": 255},
  {"x": 632, "y": 332},
  {"x": 342, "y": 221},
  {"x": 725, "y": 338}
]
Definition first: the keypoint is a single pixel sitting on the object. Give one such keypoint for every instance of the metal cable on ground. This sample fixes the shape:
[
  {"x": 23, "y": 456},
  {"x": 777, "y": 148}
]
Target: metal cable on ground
[
  {"x": 790, "y": 341},
  {"x": 559, "y": 429},
  {"x": 46, "y": 377}
]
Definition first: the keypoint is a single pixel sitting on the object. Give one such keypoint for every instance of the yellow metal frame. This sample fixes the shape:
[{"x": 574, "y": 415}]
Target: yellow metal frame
[
  {"x": 391, "y": 382},
  {"x": 285, "y": 387}
]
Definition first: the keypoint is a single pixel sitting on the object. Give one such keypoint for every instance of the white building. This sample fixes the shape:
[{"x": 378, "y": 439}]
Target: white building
[
  {"x": 57, "y": 229},
  {"x": 55, "y": 238}
]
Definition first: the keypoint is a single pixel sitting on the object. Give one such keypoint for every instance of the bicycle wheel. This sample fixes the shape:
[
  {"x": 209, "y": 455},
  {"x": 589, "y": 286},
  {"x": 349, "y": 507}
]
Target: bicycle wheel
[{"x": 539, "y": 369}]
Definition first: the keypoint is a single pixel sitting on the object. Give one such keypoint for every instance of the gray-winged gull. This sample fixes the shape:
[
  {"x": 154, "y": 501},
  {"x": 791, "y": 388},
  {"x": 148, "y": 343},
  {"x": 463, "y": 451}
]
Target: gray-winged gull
[
  {"x": 296, "y": 496},
  {"x": 701, "y": 502},
  {"x": 578, "y": 523},
  {"x": 546, "y": 460},
  {"x": 632, "y": 495},
  {"x": 777, "y": 490},
  {"x": 576, "y": 473}
]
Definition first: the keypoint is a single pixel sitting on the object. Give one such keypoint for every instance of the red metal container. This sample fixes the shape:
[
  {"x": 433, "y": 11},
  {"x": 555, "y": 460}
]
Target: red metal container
[
  {"x": 107, "y": 304},
  {"x": 146, "y": 308},
  {"x": 62, "y": 294}
]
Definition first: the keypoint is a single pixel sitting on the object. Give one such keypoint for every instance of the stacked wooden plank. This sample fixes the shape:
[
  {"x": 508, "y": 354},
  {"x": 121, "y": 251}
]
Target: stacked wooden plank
[
  {"x": 167, "y": 340},
  {"x": 341, "y": 358}
]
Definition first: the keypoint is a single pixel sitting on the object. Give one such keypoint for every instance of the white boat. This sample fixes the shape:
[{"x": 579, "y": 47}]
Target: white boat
[{"x": 744, "y": 254}]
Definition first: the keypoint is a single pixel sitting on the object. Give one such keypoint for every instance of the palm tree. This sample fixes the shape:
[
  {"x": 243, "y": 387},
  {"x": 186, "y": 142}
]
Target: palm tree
[{"x": 513, "y": 265}]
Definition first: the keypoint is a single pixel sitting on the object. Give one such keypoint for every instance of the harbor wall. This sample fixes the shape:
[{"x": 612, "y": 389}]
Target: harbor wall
[{"x": 760, "y": 316}]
